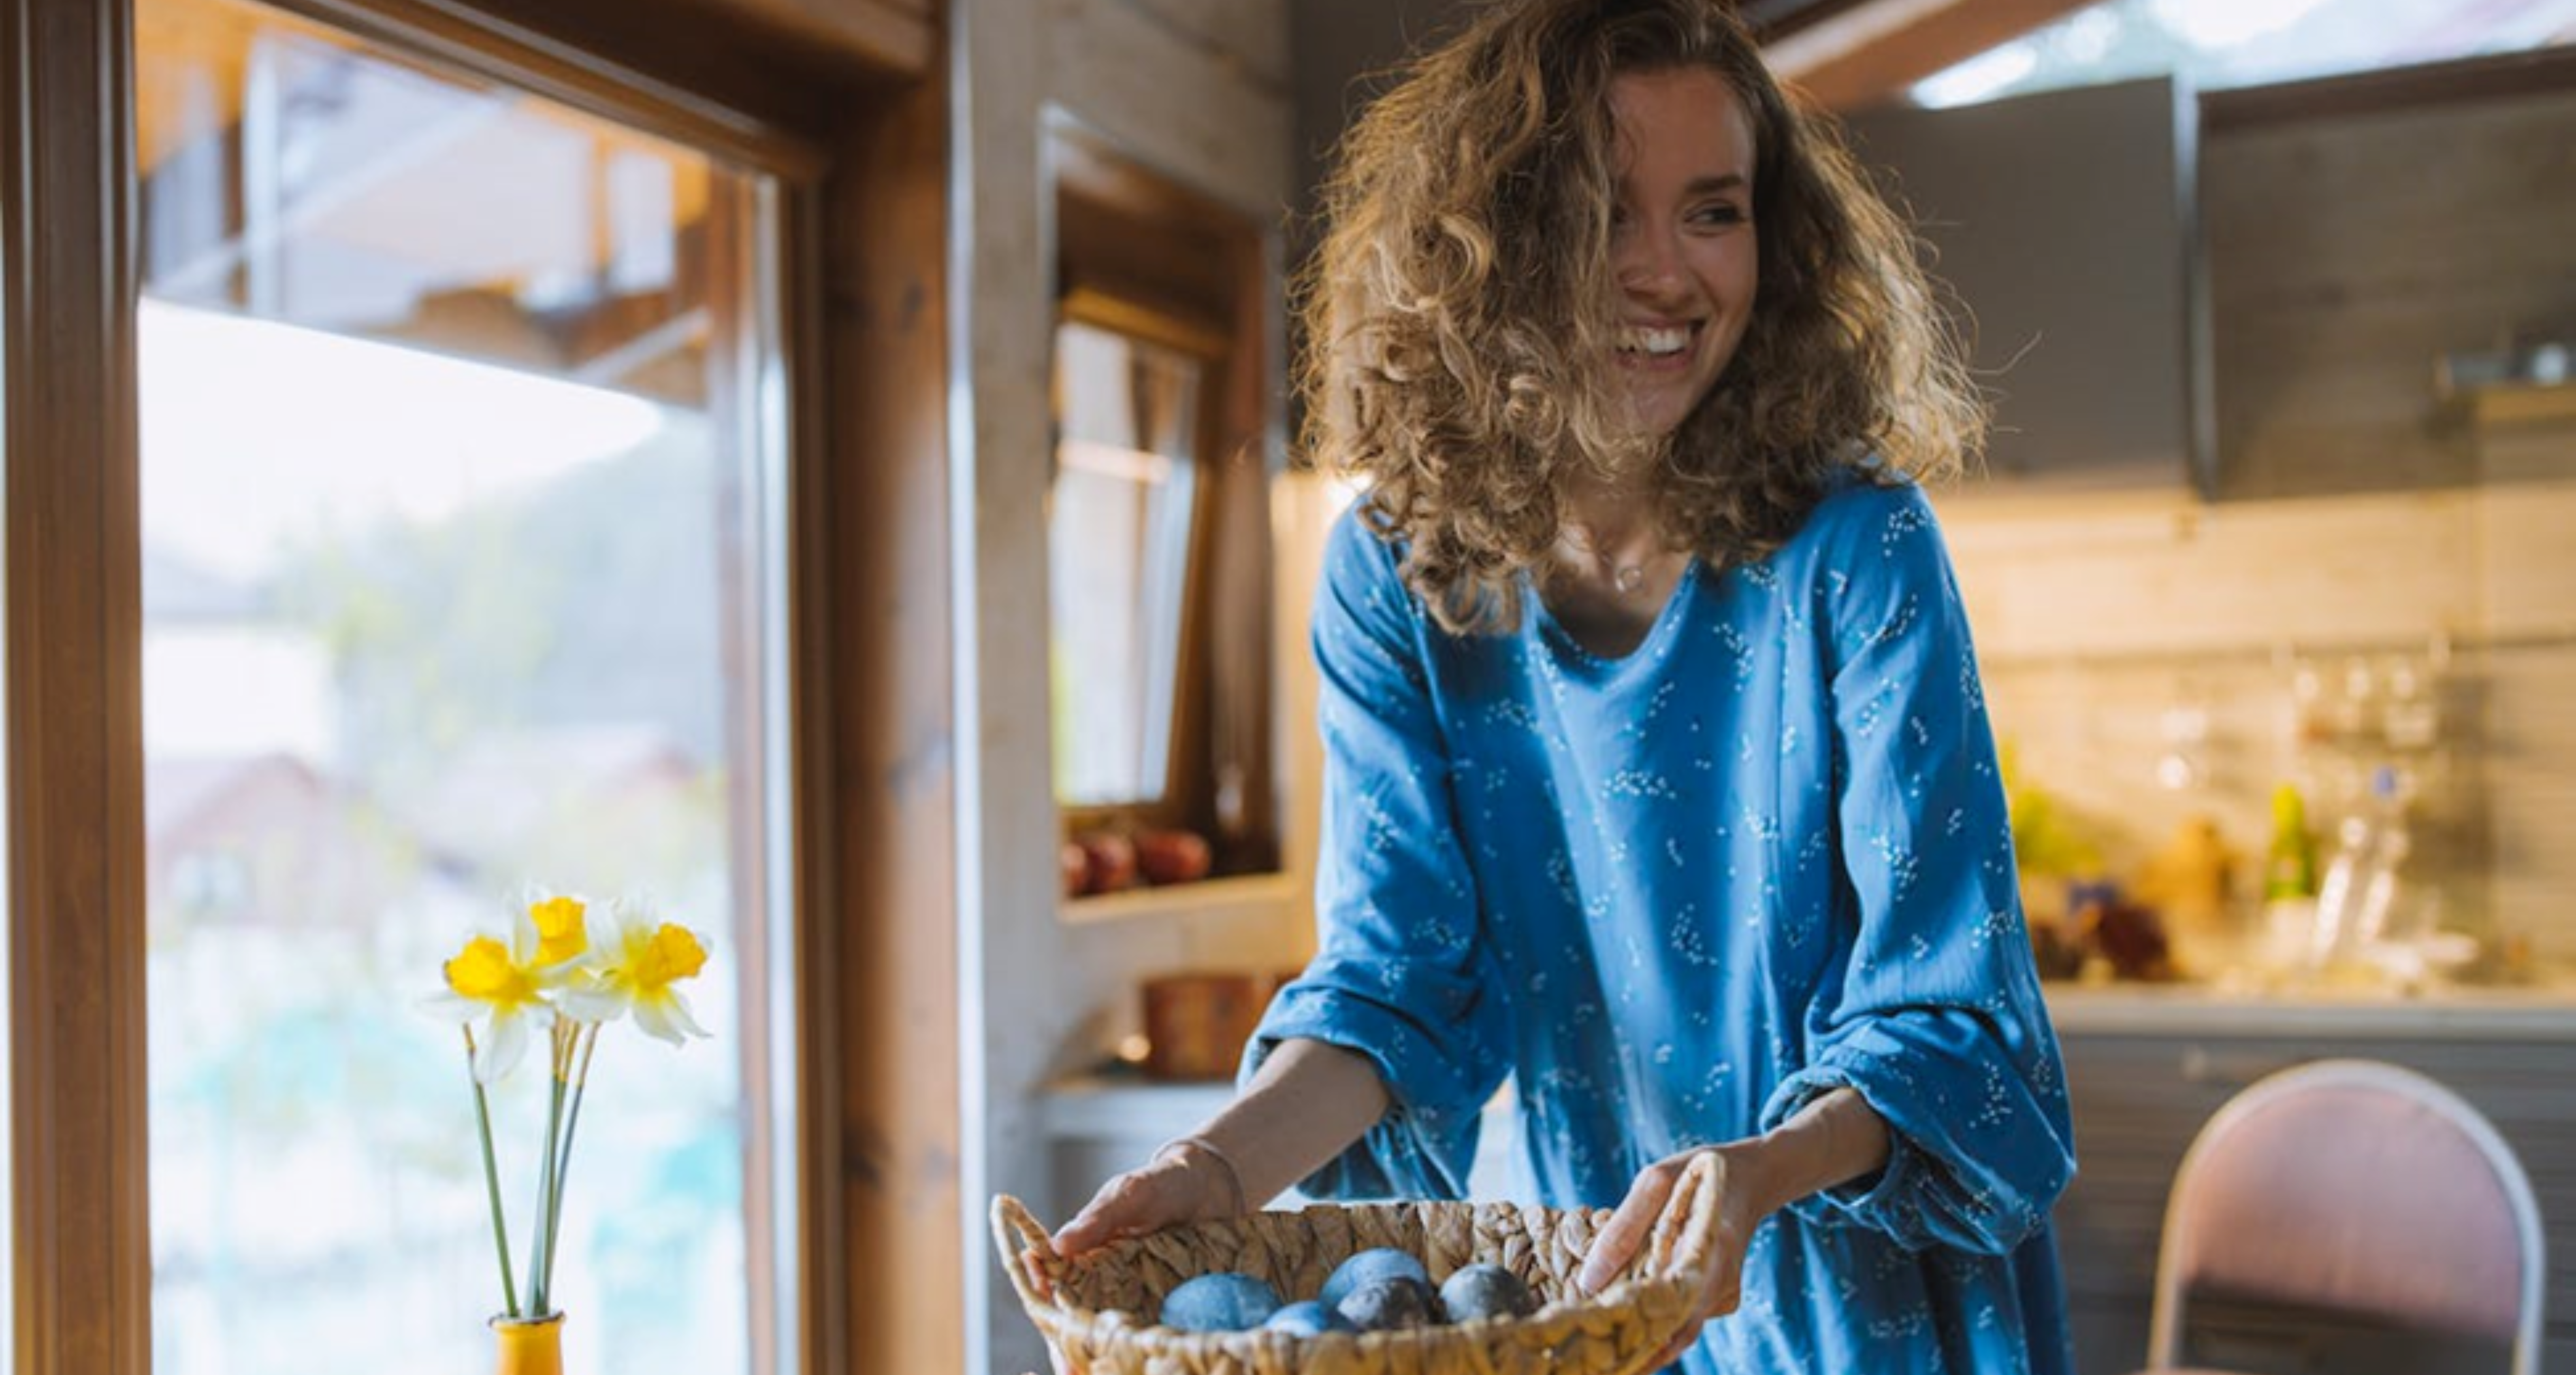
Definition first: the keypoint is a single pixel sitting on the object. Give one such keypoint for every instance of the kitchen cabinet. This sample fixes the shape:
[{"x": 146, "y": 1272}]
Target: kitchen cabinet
[
  {"x": 2141, "y": 1092},
  {"x": 2063, "y": 224}
]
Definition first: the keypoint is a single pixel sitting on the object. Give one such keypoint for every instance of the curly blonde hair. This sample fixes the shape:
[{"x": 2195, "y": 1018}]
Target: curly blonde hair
[{"x": 1460, "y": 311}]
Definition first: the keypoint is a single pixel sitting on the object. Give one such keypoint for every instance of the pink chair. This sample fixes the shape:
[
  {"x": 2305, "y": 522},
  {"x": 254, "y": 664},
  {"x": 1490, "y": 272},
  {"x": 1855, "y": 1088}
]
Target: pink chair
[{"x": 2356, "y": 1195}]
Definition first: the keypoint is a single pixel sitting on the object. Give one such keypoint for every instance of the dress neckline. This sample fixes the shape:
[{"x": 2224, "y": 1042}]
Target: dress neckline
[{"x": 1578, "y": 661}]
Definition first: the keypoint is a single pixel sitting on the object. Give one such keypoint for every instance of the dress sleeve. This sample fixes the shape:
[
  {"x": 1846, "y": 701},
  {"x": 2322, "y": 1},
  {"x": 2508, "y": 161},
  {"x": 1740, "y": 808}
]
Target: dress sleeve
[
  {"x": 1399, "y": 976},
  {"x": 1938, "y": 1022}
]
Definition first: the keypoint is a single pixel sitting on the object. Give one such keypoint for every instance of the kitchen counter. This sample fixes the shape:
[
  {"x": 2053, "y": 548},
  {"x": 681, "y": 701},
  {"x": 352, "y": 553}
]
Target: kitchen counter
[
  {"x": 1134, "y": 1108},
  {"x": 1140, "y": 1112},
  {"x": 2542, "y": 1011},
  {"x": 1155, "y": 1111}
]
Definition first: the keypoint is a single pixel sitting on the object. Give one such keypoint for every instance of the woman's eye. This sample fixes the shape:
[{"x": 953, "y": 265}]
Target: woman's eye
[{"x": 1719, "y": 215}]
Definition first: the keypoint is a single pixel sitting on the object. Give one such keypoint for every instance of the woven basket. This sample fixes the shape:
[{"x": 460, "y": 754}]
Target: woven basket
[{"x": 1098, "y": 1309}]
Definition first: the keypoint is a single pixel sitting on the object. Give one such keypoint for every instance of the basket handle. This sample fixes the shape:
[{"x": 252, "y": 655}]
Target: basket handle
[{"x": 1024, "y": 1244}]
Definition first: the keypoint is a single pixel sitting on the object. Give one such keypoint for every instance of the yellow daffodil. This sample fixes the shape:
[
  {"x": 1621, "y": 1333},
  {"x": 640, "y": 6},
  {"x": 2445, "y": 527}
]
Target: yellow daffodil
[
  {"x": 563, "y": 931},
  {"x": 504, "y": 987},
  {"x": 634, "y": 967},
  {"x": 551, "y": 973}
]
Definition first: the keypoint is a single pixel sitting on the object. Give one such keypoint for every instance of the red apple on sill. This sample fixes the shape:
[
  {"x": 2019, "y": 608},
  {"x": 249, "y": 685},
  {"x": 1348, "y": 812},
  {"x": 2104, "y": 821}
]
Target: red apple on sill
[
  {"x": 1172, "y": 856},
  {"x": 1111, "y": 861},
  {"x": 1073, "y": 866}
]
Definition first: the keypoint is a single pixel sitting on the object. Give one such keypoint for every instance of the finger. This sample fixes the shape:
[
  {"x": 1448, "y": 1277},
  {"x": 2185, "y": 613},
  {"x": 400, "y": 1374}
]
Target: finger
[
  {"x": 1084, "y": 1232},
  {"x": 1130, "y": 1205},
  {"x": 1627, "y": 1229},
  {"x": 1090, "y": 1230},
  {"x": 1107, "y": 1217}
]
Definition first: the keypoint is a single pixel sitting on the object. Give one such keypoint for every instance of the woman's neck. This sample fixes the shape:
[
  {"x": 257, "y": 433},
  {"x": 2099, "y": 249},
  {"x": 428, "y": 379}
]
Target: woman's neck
[
  {"x": 1609, "y": 529},
  {"x": 1611, "y": 569}
]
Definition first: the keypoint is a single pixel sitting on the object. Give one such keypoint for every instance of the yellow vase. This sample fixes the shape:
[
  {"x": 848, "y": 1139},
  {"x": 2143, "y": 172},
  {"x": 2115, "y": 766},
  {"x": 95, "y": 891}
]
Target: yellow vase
[{"x": 530, "y": 1346}]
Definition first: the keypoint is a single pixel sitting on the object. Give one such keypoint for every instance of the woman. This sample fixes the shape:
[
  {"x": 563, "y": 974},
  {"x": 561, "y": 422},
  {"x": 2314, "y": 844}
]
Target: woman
[{"x": 1659, "y": 779}]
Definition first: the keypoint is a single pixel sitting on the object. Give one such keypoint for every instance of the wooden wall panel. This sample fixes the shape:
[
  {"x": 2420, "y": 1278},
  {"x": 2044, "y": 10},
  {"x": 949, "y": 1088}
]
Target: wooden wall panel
[
  {"x": 891, "y": 642},
  {"x": 2348, "y": 253},
  {"x": 1251, "y": 41}
]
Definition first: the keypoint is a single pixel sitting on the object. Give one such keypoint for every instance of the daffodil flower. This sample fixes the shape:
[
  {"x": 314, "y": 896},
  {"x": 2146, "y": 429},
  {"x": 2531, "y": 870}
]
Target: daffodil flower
[
  {"x": 563, "y": 932},
  {"x": 504, "y": 987},
  {"x": 633, "y": 968},
  {"x": 551, "y": 973}
]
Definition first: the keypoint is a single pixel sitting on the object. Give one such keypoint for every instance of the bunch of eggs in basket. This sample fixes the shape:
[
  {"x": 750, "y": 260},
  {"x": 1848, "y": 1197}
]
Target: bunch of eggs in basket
[{"x": 1380, "y": 1290}]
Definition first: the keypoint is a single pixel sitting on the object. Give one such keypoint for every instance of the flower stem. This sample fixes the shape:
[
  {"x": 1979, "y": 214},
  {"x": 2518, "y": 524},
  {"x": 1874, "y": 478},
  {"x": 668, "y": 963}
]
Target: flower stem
[
  {"x": 492, "y": 1181},
  {"x": 588, "y": 1039},
  {"x": 541, "y": 1262}
]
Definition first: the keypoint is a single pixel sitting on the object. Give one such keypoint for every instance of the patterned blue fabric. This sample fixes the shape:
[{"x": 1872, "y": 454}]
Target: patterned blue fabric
[{"x": 1676, "y": 895}]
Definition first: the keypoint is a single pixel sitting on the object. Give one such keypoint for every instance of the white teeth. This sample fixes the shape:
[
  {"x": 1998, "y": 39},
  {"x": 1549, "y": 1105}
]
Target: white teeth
[{"x": 1657, "y": 343}]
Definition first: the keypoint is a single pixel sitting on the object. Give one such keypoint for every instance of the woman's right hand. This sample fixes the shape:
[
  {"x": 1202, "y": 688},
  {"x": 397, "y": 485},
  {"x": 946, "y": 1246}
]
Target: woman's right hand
[{"x": 1184, "y": 1182}]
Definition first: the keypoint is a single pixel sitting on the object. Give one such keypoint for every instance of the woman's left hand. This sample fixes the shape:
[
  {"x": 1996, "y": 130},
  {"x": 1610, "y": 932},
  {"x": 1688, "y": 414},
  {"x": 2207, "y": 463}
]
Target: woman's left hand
[
  {"x": 1741, "y": 1207},
  {"x": 1835, "y": 1138}
]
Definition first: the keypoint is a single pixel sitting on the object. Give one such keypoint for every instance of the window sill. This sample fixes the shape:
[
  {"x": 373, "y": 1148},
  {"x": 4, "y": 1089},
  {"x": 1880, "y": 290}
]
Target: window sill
[{"x": 1236, "y": 895}]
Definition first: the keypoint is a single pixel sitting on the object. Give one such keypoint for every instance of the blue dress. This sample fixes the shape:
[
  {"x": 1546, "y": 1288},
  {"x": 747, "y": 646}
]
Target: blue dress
[{"x": 1676, "y": 895}]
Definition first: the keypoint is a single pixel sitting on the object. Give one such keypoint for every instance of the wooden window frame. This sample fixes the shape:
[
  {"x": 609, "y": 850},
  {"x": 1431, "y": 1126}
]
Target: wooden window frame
[
  {"x": 849, "y": 114},
  {"x": 1141, "y": 254},
  {"x": 1180, "y": 794}
]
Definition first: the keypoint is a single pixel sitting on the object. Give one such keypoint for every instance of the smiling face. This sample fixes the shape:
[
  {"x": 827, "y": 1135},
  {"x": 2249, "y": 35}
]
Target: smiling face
[{"x": 1682, "y": 238}]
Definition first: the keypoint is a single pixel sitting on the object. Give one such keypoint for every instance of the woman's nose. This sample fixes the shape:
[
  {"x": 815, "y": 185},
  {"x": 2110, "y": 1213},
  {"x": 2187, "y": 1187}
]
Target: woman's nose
[{"x": 1646, "y": 259}]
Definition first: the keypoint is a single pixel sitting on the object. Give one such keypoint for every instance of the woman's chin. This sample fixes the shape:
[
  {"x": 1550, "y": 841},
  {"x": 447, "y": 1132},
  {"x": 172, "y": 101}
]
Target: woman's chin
[{"x": 1651, "y": 421}]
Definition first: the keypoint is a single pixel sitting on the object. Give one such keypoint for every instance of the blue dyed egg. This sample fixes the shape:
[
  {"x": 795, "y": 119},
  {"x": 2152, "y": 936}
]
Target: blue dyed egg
[
  {"x": 1370, "y": 1267},
  {"x": 1486, "y": 1291},
  {"x": 1391, "y": 1305},
  {"x": 1225, "y": 1301},
  {"x": 1308, "y": 1318}
]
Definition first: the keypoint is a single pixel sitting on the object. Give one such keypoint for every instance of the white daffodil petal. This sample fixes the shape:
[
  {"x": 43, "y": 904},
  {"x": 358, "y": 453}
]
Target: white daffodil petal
[
  {"x": 591, "y": 1004},
  {"x": 655, "y": 1021},
  {"x": 447, "y": 1006},
  {"x": 499, "y": 1049},
  {"x": 666, "y": 1019},
  {"x": 687, "y": 1023}
]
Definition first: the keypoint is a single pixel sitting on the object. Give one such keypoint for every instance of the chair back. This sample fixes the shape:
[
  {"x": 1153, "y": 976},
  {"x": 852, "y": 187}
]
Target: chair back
[{"x": 2353, "y": 1186}]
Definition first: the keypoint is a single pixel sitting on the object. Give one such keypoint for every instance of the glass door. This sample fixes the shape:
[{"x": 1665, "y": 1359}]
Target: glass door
[{"x": 462, "y": 552}]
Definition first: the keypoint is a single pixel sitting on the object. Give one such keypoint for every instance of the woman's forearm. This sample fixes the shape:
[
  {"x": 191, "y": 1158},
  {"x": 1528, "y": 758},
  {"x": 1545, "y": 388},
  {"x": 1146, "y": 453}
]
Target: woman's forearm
[
  {"x": 1836, "y": 1138},
  {"x": 1307, "y": 1102}
]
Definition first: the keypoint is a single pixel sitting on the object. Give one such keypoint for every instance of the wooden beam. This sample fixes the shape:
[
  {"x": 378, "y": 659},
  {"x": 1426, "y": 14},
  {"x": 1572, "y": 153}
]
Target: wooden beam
[
  {"x": 79, "y": 1162},
  {"x": 675, "y": 69},
  {"x": 894, "y": 36},
  {"x": 892, "y": 637},
  {"x": 1852, "y": 56}
]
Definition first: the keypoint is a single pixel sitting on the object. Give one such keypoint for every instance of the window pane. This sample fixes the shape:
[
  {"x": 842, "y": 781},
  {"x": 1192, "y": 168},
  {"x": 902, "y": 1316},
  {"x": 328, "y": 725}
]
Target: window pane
[
  {"x": 456, "y": 579},
  {"x": 1119, "y": 541}
]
